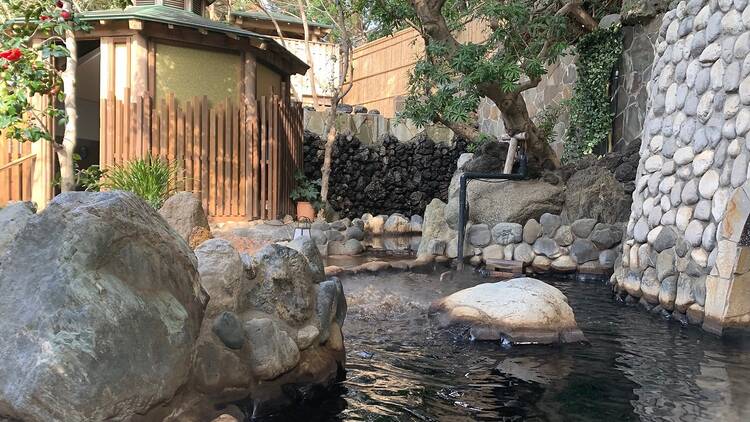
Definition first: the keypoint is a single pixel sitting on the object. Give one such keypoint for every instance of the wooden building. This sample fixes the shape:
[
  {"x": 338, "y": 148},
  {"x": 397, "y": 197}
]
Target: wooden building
[
  {"x": 158, "y": 78},
  {"x": 325, "y": 55}
]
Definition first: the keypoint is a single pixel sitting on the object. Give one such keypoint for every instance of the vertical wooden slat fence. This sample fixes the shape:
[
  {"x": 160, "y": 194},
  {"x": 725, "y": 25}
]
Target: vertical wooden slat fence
[
  {"x": 241, "y": 162},
  {"x": 17, "y": 163}
]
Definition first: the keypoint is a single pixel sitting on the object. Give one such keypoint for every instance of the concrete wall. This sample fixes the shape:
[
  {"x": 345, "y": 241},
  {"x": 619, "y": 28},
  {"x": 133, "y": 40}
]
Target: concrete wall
[{"x": 369, "y": 128}]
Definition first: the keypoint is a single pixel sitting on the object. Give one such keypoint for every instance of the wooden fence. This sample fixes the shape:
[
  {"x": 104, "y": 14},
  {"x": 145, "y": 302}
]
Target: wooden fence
[
  {"x": 381, "y": 67},
  {"x": 16, "y": 171},
  {"x": 240, "y": 159}
]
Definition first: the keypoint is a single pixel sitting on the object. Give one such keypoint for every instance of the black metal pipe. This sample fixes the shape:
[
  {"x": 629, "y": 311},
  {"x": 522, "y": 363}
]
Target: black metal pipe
[{"x": 463, "y": 206}]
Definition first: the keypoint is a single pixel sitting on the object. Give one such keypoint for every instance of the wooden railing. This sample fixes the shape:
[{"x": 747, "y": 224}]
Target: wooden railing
[
  {"x": 240, "y": 159},
  {"x": 16, "y": 171}
]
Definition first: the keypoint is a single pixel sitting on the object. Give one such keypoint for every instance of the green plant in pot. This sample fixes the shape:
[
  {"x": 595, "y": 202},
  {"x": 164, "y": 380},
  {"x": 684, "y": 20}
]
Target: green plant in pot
[{"x": 306, "y": 195}]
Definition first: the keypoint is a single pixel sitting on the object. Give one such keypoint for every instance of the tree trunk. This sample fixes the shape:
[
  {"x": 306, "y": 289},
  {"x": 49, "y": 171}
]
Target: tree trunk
[
  {"x": 339, "y": 92},
  {"x": 309, "y": 56},
  {"x": 66, "y": 150},
  {"x": 516, "y": 119},
  {"x": 325, "y": 170},
  {"x": 511, "y": 105}
]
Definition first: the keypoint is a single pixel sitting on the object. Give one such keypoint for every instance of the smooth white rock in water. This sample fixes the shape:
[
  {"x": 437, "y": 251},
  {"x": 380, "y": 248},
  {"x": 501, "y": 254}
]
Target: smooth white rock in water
[{"x": 521, "y": 310}]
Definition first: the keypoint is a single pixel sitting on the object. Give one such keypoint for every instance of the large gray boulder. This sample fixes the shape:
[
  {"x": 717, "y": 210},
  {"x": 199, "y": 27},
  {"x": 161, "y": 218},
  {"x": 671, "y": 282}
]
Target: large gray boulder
[
  {"x": 397, "y": 223},
  {"x": 221, "y": 273},
  {"x": 273, "y": 351},
  {"x": 268, "y": 326},
  {"x": 490, "y": 158},
  {"x": 521, "y": 310},
  {"x": 307, "y": 247},
  {"x": 184, "y": 213},
  {"x": 595, "y": 193},
  {"x": 283, "y": 285},
  {"x": 435, "y": 230},
  {"x": 505, "y": 202},
  {"x": 13, "y": 218},
  {"x": 102, "y": 307}
]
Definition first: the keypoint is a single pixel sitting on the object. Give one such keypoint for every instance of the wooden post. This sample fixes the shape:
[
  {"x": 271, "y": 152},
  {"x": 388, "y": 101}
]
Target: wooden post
[
  {"x": 511, "y": 157},
  {"x": 250, "y": 114}
]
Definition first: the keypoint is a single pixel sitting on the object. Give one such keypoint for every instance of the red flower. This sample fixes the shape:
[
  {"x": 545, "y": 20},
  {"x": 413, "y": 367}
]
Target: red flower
[
  {"x": 65, "y": 15},
  {"x": 44, "y": 18},
  {"x": 59, "y": 4},
  {"x": 11, "y": 55}
]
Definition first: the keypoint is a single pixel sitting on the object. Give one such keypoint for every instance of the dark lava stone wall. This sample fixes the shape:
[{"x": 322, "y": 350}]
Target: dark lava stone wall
[{"x": 384, "y": 178}]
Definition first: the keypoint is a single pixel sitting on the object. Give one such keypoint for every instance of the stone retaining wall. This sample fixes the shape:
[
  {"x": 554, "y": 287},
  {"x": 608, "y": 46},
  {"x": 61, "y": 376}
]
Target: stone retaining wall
[
  {"x": 690, "y": 202},
  {"x": 570, "y": 220},
  {"x": 547, "y": 245},
  {"x": 386, "y": 177}
]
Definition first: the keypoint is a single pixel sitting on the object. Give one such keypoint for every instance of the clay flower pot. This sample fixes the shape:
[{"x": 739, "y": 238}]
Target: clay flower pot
[{"x": 305, "y": 210}]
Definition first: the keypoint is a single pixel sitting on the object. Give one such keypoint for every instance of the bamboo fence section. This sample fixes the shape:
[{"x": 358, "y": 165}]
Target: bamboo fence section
[{"x": 240, "y": 162}]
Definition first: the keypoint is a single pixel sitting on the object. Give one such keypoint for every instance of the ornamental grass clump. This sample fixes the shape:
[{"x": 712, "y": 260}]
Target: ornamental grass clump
[{"x": 151, "y": 178}]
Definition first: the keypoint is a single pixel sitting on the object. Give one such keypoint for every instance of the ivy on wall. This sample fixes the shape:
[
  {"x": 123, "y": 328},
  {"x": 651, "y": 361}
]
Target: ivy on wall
[{"x": 590, "y": 109}]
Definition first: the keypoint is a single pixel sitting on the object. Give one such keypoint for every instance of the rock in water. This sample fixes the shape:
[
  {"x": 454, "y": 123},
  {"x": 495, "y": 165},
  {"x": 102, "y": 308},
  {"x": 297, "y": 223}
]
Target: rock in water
[
  {"x": 103, "y": 306},
  {"x": 521, "y": 310},
  {"x": 434, "y": 229}
]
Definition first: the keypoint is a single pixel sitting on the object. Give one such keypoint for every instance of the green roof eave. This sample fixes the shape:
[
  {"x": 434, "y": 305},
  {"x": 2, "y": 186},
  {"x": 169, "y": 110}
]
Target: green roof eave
[
  {"x": 280, "y": 17},
  {"x": 171, "y": 16}
]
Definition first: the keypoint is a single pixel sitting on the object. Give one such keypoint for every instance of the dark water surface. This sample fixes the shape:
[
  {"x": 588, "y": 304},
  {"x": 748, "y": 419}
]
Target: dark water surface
[{"x": 636, "y": 367}]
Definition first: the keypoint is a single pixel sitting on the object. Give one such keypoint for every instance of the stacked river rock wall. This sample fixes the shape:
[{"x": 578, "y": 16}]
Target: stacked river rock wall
[
  {"x": 386, "y": 177},
  {"x": 547, "y": 245},
  {"x": 689, "y": 205},
  {"x": 570, "y": 220}
]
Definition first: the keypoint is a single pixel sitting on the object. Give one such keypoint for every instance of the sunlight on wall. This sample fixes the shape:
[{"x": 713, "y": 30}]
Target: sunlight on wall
[{"x": 190, "y": 72}]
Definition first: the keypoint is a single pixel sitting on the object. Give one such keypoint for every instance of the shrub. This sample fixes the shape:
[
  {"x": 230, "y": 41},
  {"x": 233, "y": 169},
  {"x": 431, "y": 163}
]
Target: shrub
[
  {"x": 306, "y": 190},
  {"x": 151, "y": 178}
]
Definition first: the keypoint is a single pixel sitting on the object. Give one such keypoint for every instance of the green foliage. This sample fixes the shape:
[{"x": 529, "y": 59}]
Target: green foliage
[
  {"x": 590, "y": 112},
  {"x": 27, "y": 67},
  {"x": 306, "y": 190},
  {"x": 89, "y": 178},
  {"x": 446, "y": 83},
  {"x": 151, "y": 178},
  {"x": 474, "y": 144},
  {"x": 547, "y": 118}
]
